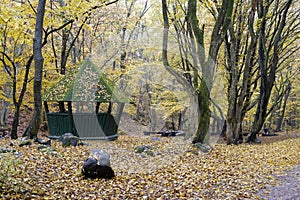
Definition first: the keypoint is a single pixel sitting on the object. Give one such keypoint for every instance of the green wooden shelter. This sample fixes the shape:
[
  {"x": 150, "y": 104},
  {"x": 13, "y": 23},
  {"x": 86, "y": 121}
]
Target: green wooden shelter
[{"x": 89, "y": 104}]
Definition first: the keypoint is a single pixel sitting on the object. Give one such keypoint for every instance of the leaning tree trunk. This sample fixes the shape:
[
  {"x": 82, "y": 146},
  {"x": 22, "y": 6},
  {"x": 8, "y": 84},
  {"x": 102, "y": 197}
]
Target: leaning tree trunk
[{"x": 39, "y": 62}]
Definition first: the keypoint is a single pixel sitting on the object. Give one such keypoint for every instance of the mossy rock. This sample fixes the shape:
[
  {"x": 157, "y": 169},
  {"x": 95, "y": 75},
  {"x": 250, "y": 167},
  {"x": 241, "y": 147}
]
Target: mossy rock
[
  {"x": 149, "y": 152},
  {"x": 25, "y": 143},
  {"x": 141, "y": 149},
  {"x": 205, "y": 148}
]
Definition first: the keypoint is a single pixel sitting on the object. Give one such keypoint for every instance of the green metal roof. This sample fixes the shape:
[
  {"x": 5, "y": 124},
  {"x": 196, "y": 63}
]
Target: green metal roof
[{"x": 87, "y": 84}]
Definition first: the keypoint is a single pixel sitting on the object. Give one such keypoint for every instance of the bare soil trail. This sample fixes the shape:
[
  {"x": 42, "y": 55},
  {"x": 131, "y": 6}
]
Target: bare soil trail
[
  {"x": 288, "y": 184},
  {"x": 288, "y": 187}
]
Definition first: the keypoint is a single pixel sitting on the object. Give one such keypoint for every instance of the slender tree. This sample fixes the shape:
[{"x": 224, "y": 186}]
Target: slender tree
[
  {"x": 38, "y": 74},
  {"x": 17, "y": 58}
]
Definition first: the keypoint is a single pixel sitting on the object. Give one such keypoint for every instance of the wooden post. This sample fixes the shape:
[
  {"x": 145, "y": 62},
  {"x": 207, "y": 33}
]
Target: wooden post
[
  {"x": 119, "y": 112},
  {"x": 71, "y": 117},
  {"x": 46, "y": 106},
  {"x": 97, "y": 107},
  {"x": 109, "y": 108},
  {"x": 61, "y": 106}
]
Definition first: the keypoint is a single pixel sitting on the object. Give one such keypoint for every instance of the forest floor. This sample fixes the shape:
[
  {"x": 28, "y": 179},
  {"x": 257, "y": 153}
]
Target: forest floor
[{"x": 175, "y": 170}]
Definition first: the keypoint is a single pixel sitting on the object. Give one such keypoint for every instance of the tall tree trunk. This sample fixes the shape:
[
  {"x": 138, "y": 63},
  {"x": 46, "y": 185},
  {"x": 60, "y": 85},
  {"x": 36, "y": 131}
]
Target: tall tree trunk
[
  {"x": 201, "y": 91},
  {"x": 267, "y": 66},
  {"x": 64, "y": 56},
  {"x": 18, "y": 101},
  {"x": 39, "y": 62},
  {"x": 204, "y": 119},
  {"x": 208, "y": 64},
  {"x": 232, "y": 60},
  {"x": 279, "y": 121},
  {"x": 15, "y": 123},
  {"x": 239, "y": 100}
]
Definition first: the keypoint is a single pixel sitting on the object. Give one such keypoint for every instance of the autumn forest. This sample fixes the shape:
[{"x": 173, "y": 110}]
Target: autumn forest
[{"x": 188, "y": 99}]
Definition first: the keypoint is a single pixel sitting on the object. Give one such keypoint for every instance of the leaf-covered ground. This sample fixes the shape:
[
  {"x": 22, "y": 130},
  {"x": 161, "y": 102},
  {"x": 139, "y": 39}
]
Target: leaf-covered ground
[{"x": 176, "y": 171}]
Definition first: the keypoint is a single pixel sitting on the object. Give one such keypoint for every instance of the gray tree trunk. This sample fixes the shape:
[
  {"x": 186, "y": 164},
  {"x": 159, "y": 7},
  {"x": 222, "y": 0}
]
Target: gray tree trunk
[
  {"x": 279, "y": 121},
  {"x": 267, "y": 66},
  {"x": 39, "y": 62},
  {"x": 238, "y": 101},
  {"x": 208, "y": 64}
]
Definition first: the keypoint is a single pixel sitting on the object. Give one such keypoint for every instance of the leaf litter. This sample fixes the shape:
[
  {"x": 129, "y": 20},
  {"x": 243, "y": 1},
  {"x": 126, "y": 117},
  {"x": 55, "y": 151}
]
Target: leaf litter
[{"x": 174, "y": 172}]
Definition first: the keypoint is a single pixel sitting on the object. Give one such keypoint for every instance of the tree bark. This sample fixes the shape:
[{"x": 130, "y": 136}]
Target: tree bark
[
  {"x": 267, "y": 66},
  {"x": 199, "y": 92},
  {"x": 204, "y": 119},
  {"x": 17, "y": 101},
  {"x": 208, "y": 64},
  {"x": 279, "y": 121},
  {"x": 238, "y": 96},
  {"x": 39, "y": 62}
]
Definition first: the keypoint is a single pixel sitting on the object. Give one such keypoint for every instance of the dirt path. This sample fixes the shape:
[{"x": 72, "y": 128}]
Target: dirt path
[
  {"x": 288, "y": 184},
  {"x": 288, "y": 187},
  {"x": 284, "y": 135}
]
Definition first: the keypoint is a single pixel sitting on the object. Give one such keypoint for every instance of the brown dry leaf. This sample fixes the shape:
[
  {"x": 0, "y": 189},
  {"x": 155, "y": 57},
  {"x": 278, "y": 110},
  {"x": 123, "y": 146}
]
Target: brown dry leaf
[{"x": 232, "y": 172}]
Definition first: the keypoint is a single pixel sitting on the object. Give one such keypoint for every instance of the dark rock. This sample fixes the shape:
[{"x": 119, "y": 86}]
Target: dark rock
[
  {"x": 69, "y": 139},
  {"x": 149, "y": 152},
  {"x": 269, "y": 134},
  {"x": 82, "y": 143},
  {"x": 101, "y": 156},
  {"x": 11, "y": 143},
  {"x": 155, "y": 139},
  {"x": 40, "y": 141},
  {"x": 143, "y": 155},
  {"x": 149, "y": 132},
  {"x": 94, "y": 168},
  {"x": 239, "y": 142},
  {"x": 89, "y": 166},
  {"x": 7, "y": 150},
  {"x": 40, "y": 147},
  {"x": 167, "y": 133},
  {"x": 257, "y": 141}
]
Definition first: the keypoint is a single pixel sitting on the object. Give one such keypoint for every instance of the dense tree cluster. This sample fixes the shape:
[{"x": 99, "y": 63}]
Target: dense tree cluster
[{"x": 252, "y": 44}]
